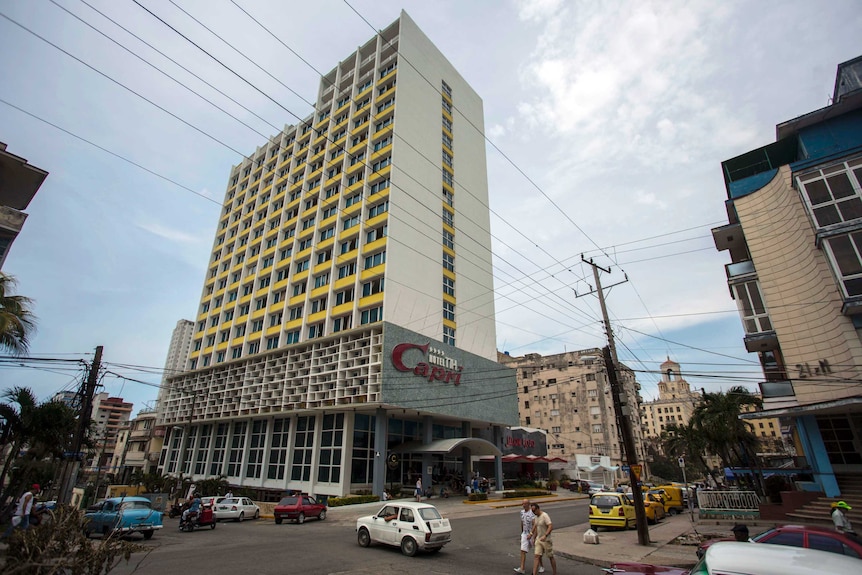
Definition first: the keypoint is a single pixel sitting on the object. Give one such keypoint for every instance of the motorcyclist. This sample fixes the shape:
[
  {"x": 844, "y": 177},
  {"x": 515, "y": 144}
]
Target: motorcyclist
[{"x": 193, "y": 509}]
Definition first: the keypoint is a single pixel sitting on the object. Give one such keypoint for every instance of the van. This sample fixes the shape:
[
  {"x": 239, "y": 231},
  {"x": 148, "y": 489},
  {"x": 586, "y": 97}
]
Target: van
[{"x": 671, "y": 497}]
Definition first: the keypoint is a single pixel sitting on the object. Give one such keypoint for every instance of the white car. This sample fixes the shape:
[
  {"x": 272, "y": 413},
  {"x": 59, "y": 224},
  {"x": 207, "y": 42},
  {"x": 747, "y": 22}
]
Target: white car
[
  {"x": 237, "y": 508},
  {"x": 406, "y": 524}
]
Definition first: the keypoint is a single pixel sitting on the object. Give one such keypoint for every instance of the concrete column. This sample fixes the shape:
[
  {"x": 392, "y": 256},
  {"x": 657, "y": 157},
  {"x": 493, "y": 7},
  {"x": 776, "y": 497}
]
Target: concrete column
[
  {"x": 466, "y": 468},
  {"x": 498, "y": 460},
  {"x": 381, "y": 432},
  {"x": 427, "y": 435}
]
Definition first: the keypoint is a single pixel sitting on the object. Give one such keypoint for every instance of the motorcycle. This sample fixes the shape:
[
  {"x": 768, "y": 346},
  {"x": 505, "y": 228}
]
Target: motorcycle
[
  {"x": 199, "y": 519},
  {"x": 176, "y": 510}
]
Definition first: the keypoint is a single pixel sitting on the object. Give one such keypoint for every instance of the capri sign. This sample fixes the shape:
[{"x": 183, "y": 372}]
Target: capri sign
[{"x": 436, "y": 367}]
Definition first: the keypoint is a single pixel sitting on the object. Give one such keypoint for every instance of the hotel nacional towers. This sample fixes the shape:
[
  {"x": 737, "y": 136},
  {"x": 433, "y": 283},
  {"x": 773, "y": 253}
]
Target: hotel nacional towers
[{"x": 345, "y": 335}]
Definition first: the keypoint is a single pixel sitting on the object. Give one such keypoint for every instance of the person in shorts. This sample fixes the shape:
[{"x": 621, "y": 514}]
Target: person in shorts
[
  {"x": 526, "y": 524},
  {"x": 541, "y": 535}
]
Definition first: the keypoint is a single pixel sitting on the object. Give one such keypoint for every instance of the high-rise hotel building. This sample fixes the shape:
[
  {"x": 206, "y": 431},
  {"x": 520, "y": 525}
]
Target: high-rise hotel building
[{"x": 345, "y": 336}]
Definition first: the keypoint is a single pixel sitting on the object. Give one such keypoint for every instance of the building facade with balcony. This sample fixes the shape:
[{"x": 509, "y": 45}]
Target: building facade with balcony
[
  {"x": 347, "y": 312},
  {"x": 109, "y": 416},
  {"x": 794, "y": 236},
  {"x": 139, "y": 444},
  {"x": 568, "y": 396},
  {"x": 19, "y": 182}
]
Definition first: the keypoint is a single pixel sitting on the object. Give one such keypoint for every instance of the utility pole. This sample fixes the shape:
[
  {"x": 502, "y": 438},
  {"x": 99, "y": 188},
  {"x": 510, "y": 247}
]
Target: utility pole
[
  {"x": 622, "y": 409},
  {"x": 73, "y": 464}
]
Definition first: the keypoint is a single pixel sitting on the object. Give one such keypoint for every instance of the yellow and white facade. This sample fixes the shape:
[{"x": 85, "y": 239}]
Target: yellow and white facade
[{"x": 372, "y": 212}]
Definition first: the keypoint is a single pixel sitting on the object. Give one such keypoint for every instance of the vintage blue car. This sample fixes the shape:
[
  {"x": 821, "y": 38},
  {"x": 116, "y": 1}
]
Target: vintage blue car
[{"x": 121, "y": 516}]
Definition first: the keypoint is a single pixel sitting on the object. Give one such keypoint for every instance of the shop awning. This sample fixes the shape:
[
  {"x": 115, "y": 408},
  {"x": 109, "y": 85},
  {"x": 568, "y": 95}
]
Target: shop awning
[
  {"x": 515, "y": 458},
  {"x": 592, "y": 468},
  {"x": 476, "y": 446}
]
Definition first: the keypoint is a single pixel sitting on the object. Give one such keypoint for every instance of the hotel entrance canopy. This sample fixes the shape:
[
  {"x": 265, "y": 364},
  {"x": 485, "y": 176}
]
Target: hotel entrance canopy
[{"x": 476, "y": 446}]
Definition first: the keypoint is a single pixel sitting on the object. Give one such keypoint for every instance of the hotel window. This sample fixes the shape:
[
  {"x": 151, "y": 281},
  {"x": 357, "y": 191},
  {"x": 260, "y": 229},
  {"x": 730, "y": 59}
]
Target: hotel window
[
  {"x": 372, "y": 287},
  {"x": 301, "y": 266},
  {"x": 224, "y": 336},
  {"x": 375, "y": 260},
  {"x": 231, "y": 296},
  {"x": 448, "y": 198},
  {"x": 379, "y": 186},
  {"x": 292, "y": 337},
  {"x": 444, "y": 87},
  {"x": 350, "y": 222},
  {"x": 354, "y": 199},
  {"x": 321, "y": 280},
  {"x": 329, "y": 212},
  {"x": 324, "y": 256},
  {"x": 315, "y": 330},
  {"x": 346, "y": 270},
  {"x": 299, "y": 289},
  {"x": 279, "y": 448},
  {"x": 449, "y": 311},
  {"x": 449, "y": 286},
  {"x": 381, "y": 125},
  {"x": 260, "y": 303},
  {"x": 239, "y": 331},
  {"x": 303, "y": 449},
  {"x": 376, "y": 234},
  {"x": 237, "y": 446},
  {"x": 845, "y": 254},
  {"x": 447, "y": 124},
  {"x": 206, "y": 361},
  {"x": 344, "y": 296},
  {"x": 309, "y": 223},
  {"x": 357, "y": 158},
  {"x": 448, "y": 239},
  {"x": 264, "y": 282},
  {"x": 272, "y": 342},
  {"x": 331, "y": 440},
  {"x": 295, "y": 313},
  {"x": 198, "y": 345},
  {"x": 447, "y": 141},
  {"x": 449, "y": 262},
  {"x": 244, "y": 309},
  {"x": 448, "y": 218},
  {"x": 254, "y": 347},
  {"x": 348, "y": 246},
  {"x": 387, "y": 69},
  {"x": 377, "y": 166},
  {"x": 254, "y": 467},
  {"x": 256, "y": 326},
  {"x": 328, "y": 194},
  {"x": 447, "y": 106},
  {"x": 371, "y": 315},
  {"x": 448, "y": 335},
  {"x": 277, "y": 296},
  {"x": 380, "y": 208},
  {"x": 318, "y": 305},
  {"x": 342, "y": 323},
  {"x": 305, "y": 244},
  {"x": 382, "y": 143},
  {"x": 281, "y": 275},
  {"x": 834, "y": 195},
  {"x": 597, "y": 428}
]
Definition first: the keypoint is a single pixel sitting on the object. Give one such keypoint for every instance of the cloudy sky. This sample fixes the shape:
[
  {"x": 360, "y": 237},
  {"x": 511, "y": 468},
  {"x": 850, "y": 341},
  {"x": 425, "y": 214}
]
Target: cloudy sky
[{"x": 606, "y": 121}]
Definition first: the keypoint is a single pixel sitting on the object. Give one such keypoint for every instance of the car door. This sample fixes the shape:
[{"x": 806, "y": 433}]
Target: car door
[
  {"x": 384, "y": 531},
  {"x": 247, "y": 507},
  {"x": 406, "y": 524},
  {"x": 96, "y": 519}
]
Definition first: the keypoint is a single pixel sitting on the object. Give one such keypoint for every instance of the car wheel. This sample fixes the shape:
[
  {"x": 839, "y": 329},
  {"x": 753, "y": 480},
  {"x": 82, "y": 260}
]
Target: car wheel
[
  {"x": 322, "y": 515},
  {"x": 278, "y": 520},
  {"x": 408, "y": 546},
  {"x": 241, "y": 517},
  {"x": 148, "y": 534},
  {"x": 363, "y": 538},
  {"x": 672, "y": 512},
  {"x": 257, "y": 513},
  {"x": 301, "y": 518},
  {"x": 212, "y": 525}
]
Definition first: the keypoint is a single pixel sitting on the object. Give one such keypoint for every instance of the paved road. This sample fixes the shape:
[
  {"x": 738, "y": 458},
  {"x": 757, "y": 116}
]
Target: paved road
[{"x": 484, "y": 541}]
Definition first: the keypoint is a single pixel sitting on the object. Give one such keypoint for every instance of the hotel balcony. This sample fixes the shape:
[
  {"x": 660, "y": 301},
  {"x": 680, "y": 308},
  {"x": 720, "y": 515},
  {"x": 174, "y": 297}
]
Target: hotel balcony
[
  {"x": 739, "y": 271},
  {"x": 772, "y": 389}
]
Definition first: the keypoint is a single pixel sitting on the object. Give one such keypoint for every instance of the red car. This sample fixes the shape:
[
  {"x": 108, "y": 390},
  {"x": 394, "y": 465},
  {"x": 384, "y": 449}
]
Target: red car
[
  {"x": 809, "y": 536},
  {"x": 298, "y": 508}
]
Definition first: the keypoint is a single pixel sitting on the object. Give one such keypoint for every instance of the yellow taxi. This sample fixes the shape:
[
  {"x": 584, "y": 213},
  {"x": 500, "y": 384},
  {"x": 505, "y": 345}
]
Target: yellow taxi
[
  {"x": 611, "y": 509},
  {"x": 654, "y": 508}
]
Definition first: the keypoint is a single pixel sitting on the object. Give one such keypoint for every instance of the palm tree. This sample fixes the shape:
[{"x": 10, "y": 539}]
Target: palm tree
[
  {"x": 17, "y": 322},
  {"x": 687, "y": 440},
  {"x": 717, "y": 419}
]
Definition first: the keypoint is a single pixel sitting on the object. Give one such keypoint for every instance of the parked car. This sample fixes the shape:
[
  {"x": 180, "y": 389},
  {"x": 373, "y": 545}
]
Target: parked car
[
  {"x": 746, "y": 559},
  {"x": 671, "y": 497},
  {"x": 579, "y": 486},
  {"x": 213, "y": 500},
  {"x": 237, "y": 508},
  {"x": 611, "y": 509},
  {"x": 407, "y": 524},
  {"x": 122, "y": 515},
  {"x": 594, "y": 487},
  {"x": 653, "y": 508},
  {"x": 808, "y": 536},
  {"x": 299, "y": 508}
]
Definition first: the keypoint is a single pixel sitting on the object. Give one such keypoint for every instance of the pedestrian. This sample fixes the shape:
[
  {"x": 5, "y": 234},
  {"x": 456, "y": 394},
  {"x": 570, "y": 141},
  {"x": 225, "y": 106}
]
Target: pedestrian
[
  {"x": 541, "y": 535},
  {"x": 740, "y": 533},
  {"x": 21, "y": 519},
  {"x": 229, "y": 494},
  {"x": 526, "y": 520},
  {"x": 419, "y": 489},
  {"x": 839, "y": 517}
]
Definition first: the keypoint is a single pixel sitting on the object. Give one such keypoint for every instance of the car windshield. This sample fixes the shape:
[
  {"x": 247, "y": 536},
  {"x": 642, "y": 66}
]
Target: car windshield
[
  {"x": 288, "y": 501},
  {"x": 429, "y": 513},
  {"x": 229, "y": 501},
  {"x": 127, "y": 505}
]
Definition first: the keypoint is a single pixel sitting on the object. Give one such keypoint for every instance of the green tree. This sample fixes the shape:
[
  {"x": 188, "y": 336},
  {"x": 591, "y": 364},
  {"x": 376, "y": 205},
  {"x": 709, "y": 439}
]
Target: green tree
[
  {"x": 687, "y": 440},
  {"x": 17, "y": 322}
]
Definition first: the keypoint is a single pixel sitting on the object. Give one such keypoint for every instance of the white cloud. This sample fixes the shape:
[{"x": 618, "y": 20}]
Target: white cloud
[
  {"x": 167, "y": 233},
  {"x": 537, "y": 9}
]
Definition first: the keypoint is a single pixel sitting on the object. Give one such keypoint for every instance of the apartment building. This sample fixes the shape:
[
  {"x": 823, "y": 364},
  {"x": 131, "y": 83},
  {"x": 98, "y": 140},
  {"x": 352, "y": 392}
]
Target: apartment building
[
  {"x": 794, "y": 213},
  {"x": 347, "y": 316},
  {"x": 109, "y": 415},
  {"x": 568, "y": 396},
  {"x": 19, "y": 183}
]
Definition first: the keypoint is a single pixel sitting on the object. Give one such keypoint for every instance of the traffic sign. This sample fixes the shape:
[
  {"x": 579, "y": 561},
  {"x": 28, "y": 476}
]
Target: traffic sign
[
  {"x": 625, "y": 468},
  {"x": 636, "y": 469},
  {"x": 681, "y": 461}
]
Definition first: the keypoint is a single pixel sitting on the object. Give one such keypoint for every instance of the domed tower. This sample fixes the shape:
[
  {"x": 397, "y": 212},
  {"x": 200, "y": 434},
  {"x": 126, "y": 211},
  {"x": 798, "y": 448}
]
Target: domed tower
[{"x": 672, "y": 384}]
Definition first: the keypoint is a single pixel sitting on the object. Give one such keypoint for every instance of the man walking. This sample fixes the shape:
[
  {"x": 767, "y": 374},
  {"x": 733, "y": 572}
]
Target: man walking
[
  {"x": 839, "y": 517},
  {"x": 541, "y": 532},
  {"x": 527, "y": 518},
  {"x": 419, "y": 489},
  {"x": 21, "y": 519}
]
